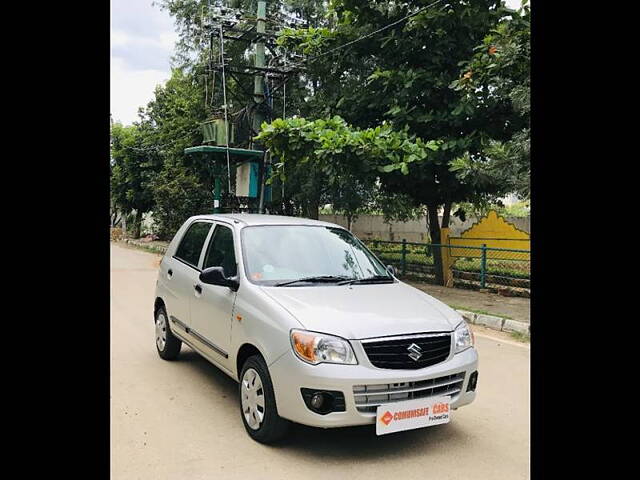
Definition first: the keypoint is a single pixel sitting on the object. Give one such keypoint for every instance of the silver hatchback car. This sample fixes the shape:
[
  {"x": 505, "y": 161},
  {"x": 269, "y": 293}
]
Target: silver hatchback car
[{"x": 313, "y": 327}]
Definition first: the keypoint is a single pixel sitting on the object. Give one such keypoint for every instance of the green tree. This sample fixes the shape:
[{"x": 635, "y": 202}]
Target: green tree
[
  {"x": 496, "y": 80},
  {"x": 183, "y": 186},
  {"x": 133, "y": 168},
  {"x": 403, "y": 75},
  {"x": 329, "y": 161}
]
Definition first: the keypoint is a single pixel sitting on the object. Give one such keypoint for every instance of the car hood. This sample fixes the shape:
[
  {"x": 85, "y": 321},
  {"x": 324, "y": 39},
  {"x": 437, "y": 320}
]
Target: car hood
[{"x": 365, "y": 311}]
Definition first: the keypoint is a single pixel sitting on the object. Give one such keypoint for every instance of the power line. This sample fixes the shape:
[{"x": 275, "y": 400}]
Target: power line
[{"x": 386, "y": 27}]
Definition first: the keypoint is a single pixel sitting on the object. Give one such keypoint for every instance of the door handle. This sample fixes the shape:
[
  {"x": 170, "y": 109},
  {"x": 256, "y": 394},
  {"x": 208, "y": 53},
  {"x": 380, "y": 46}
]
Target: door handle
[
  {"x": 198, "y": 288},
  {"x": 169, "y": 273}
]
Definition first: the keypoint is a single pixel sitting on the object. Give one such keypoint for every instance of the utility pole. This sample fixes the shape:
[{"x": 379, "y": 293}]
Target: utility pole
[
  {"x": 258, "y": 89},
  {"x": 227, "y": 21},
  {"x": 258, "y": 92}
]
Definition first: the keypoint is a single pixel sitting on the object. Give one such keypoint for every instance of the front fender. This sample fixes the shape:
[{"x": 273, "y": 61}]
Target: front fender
[{"x": 261, "y": 322}]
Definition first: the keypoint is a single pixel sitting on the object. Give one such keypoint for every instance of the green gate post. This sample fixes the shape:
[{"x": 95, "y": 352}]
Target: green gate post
[
  {"x": 483, "y": 266},
  {"x": 404, "y": 256}
]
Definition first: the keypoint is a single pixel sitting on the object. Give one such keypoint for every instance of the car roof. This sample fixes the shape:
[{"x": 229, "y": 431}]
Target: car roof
[{"x": 251, "y": 219}]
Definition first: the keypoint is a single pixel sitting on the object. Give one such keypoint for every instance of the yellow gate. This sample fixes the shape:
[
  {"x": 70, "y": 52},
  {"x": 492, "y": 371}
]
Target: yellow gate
[{"x": 492, "y": 231}]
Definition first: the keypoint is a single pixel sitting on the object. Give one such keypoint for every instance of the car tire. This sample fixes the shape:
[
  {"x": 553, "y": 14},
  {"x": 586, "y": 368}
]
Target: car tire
[
  {"x": 167, "y": 344},
  {"x": 263, "y": 424}
]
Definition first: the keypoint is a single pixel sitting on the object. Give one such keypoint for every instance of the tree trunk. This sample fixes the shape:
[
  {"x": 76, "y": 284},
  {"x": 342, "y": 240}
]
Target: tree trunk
[
  {"x": 124, "y": 224},
  {"x": 434, "y": 233},
  {"x": 446, "y": 215},
  {"x": 137, "y": 226},
  {"x": 313, "y": 208}
]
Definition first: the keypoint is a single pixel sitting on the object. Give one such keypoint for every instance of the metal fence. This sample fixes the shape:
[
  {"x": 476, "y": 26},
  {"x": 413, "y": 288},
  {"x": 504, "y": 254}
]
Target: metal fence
[{"x": 471, "y": 266}]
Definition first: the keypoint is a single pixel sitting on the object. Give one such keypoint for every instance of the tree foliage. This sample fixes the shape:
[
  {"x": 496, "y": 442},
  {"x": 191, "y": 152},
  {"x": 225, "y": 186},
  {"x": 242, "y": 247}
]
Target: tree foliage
[
  {"x": 403, "y": 75},
  {"x": 184, "y": 185},
  {"x": 496, "y": 81},
  {"x": 329, "y": 161},
  {"x": 134, "y": 165},
  {"x": 410, "y": 77}
]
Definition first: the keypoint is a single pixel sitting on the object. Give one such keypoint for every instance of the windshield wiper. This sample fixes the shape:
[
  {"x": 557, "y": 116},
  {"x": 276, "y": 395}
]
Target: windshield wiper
[
  {"x": 373, "y": 279},
  {"x": 315, "y": 279}
]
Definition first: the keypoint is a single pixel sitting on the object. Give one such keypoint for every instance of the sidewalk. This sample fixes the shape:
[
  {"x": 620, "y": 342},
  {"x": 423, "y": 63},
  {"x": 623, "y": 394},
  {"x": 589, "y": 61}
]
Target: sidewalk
[{"x": 515, "y": 308}]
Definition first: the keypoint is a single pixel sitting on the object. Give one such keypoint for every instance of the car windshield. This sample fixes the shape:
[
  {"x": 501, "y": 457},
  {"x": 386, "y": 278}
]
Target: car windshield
[{"x": 280, "y": 253}]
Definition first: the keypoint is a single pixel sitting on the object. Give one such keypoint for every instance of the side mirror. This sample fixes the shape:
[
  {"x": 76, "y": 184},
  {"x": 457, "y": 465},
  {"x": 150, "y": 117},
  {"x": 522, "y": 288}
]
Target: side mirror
[
  {"x": 391, "y": 269},
  {"x": 215, "y": 276}
]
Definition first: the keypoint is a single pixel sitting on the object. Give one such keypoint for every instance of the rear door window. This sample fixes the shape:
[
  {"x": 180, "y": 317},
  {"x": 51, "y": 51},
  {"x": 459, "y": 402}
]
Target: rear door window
[{"x": 192, "y": 242}]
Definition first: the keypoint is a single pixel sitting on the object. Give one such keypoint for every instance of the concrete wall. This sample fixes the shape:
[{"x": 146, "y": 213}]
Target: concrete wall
[{"x": 373, "y": 226}]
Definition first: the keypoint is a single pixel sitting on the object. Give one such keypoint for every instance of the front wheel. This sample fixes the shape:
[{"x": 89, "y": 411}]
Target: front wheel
[{"x": 257, "y": 403}]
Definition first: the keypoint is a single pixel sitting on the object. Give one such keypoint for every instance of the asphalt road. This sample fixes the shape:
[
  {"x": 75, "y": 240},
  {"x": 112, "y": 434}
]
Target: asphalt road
[{"x": 181, "y": 420}]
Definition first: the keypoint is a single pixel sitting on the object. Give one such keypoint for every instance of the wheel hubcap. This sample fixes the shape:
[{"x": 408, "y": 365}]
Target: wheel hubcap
[
  {"x": 161, "y": 331},
  {"x": 252, "y": 398}
]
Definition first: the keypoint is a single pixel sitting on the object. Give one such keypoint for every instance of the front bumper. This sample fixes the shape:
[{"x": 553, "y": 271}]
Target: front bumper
[{"x": 289, "y": 374}]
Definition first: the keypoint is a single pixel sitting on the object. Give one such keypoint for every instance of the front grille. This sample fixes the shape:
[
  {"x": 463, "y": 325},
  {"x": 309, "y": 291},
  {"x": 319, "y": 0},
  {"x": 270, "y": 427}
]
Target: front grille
[
  {"x": 396, "y": 353},
  {"x": 369, "y": 397}
]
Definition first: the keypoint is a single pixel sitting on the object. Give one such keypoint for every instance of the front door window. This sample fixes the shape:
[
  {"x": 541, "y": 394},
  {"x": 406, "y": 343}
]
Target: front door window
[{"x": 221, "y": 252}]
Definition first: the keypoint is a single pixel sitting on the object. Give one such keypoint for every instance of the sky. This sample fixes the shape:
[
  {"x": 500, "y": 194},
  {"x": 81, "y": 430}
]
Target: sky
[{"x": 142, "y": 40}]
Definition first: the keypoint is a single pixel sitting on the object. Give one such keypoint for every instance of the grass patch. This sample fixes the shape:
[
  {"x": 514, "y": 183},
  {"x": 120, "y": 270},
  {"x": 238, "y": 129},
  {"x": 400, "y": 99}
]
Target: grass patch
[
  {"x": 146, "y": 248},
  {"x": 521, "y": 337}
]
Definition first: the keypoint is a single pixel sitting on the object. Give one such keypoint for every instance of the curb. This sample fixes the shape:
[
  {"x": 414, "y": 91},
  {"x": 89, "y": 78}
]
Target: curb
[
  {"x": 496, "y": 323},
  {"x": 146, "y": 246}
]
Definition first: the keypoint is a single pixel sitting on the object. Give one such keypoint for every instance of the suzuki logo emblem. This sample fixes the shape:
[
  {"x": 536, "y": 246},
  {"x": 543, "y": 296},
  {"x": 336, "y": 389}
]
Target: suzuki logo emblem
[{"x": 416, "y": 352}]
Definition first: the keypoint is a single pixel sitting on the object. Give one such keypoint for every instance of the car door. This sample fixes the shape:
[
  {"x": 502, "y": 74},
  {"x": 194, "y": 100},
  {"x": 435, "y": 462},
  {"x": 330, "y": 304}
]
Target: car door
[
  {"x": 183, "y": 272},
  {"x": 212, "y": 309}
]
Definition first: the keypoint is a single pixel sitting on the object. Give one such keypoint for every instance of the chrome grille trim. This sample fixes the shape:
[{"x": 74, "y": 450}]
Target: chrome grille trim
[
  {"x": 367, "y": 398},
  {"x": 406, "y": 390},
  {"x": 404, "y": 337},
  {"x": 362, "y": 406}
]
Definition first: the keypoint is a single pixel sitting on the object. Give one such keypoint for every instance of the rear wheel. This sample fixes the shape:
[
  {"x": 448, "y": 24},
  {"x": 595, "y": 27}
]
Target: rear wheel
[
  {"x": 167, "y": 343},
  {"x": 257, "y": 403}
]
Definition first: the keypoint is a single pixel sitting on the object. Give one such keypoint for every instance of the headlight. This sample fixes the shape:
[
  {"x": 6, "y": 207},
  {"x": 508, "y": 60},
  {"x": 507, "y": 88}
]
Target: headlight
[
  {"x": 463, "y": 337},
  {"x": 315, "y": 348}
]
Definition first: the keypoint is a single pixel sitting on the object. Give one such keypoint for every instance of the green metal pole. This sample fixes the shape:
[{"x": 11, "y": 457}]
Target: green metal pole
[
  {"x": 404, "y": 256},
  {"x": 216, "y": 195},
  {"x": 483, "y": 266}
]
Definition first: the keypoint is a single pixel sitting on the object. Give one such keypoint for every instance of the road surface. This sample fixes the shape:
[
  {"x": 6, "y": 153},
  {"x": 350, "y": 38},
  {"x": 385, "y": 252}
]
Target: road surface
[{"x": 180, "y": 420}]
